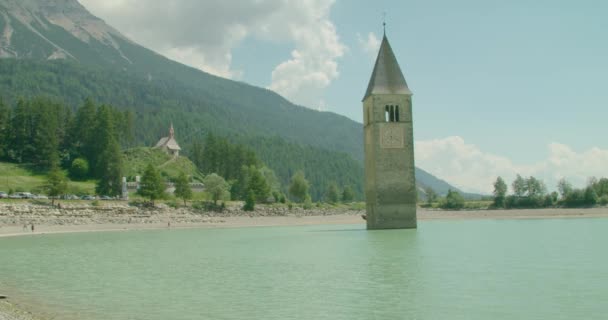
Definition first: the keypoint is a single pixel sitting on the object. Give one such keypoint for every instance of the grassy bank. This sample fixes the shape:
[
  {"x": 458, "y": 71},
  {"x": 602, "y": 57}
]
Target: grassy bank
[{"x": 20, "y": 178}]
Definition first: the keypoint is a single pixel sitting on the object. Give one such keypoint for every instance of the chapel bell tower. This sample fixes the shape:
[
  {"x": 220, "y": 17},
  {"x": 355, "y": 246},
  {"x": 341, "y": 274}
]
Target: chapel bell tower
[{"x": 390, "y": 184}]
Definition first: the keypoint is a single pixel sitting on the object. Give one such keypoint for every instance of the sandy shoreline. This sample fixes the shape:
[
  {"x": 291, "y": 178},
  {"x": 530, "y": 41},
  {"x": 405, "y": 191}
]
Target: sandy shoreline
[{"x": 297, "y": 220}]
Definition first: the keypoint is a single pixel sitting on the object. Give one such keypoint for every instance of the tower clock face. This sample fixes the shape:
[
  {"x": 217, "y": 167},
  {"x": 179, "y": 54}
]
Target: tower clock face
[{"x": 391, "y": 136}]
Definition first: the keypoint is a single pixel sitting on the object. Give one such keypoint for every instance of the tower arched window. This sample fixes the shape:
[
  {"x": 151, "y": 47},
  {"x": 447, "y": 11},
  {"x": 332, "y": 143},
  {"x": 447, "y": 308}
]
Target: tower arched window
[
  {"x": 386, "y": 114},
  {"x": 396, "y": 113},
  {"x": 391, "y": 113}
]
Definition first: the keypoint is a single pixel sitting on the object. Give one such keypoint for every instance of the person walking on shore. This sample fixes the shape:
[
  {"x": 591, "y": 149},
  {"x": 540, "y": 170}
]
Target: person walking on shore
[{"x": 32, "y": 227}]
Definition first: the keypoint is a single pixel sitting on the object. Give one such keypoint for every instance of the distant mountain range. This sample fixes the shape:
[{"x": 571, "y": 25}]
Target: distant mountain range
[{"x": 57, "y": 48}]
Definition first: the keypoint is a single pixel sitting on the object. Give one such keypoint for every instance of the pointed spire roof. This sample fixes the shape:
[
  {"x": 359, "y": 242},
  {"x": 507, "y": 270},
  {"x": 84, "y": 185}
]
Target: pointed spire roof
[{"x": 387, "y": 77}]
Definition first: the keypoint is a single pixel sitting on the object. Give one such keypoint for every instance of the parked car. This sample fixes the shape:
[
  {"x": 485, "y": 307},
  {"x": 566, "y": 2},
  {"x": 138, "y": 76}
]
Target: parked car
[
  {"x": 88, "y": 198},
  {"x": 26, "y": 195},
  {"x": 3, "y": 195},
  {"x": 15, "y": 196},
  {"x": 105, "y": 198},
  {"x": 70, "y": 197},
  {"x": 40, "y": 196}
]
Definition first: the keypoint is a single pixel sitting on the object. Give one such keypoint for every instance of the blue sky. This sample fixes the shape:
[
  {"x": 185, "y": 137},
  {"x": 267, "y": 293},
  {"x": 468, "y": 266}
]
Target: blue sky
[
  {"x": 500, "y": 87},
  {"x": 509, "y": 78}
]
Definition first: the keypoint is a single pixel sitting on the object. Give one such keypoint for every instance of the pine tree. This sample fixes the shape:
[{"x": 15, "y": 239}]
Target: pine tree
[
  {"x": 110, "y": 166},
  {"x": 257, "y": 184},
  {"x": 45, "y": 139},
  {"x": 152, "y": 185},
  {"x": 182, "y": 188},
  {"x": 105, "y": 138},
  {"x": 20, "y": 133},
  {"x": 82, "y": 132},
  {"x": 249, "y": 202},
  {"x": 197, "y": 155},
  {"x": 211, "y": 155},
  {"x": 348, "y": 195}
]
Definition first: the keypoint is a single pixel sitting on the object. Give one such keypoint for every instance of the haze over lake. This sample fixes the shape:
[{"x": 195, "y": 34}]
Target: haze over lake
[{"x": 470, "y": 269}]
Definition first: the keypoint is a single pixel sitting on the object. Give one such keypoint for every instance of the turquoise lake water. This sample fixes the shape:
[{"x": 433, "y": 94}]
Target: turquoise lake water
[{"x": 484, "y": 269}]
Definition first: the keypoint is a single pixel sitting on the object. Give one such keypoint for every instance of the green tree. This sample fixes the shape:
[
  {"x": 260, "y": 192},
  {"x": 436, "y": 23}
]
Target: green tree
[
  {"x": 110, "y": 170},
  {"x": 182, "y": 188},
  {"x": 453, "y": 201},
  {"x": 601, "y": 187},
  {"x": 271, "y": 179},
  {"x": 82, "y": 131},
  {"x": 348, "y": 195},
  {"x": 431, "y": 195},
  {"x": 564, "y": 187},
  {"x": 332, "y": 195},
  {"x": 249, "y": 202},
  {"x": 5, "y": 117},
  {"x": 216, "y": 187},
  {"x": 536, "y": 188},
  {"x": 20, "y": 137},
  {"x": 105, "y": 139},
  {"x": 591, "y": 197},
  {"x": 520, "y": 188},
  {"x": 211, "y": 156},
  {"x": 56, "y": 183},
  {"x": 79, "y": 170},
  {"x": 299, "y": 186},
  {"x": 257, "y": 184},
  {"x": 197, "y": 154},
  {"x": 152, "y": 185},
  {"x": 500, "y": 193},
  {"x": 45, "y": 134}
]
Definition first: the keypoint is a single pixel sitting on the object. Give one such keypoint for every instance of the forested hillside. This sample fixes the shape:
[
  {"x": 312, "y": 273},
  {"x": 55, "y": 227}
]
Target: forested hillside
[{"x": 58, "y": 50}]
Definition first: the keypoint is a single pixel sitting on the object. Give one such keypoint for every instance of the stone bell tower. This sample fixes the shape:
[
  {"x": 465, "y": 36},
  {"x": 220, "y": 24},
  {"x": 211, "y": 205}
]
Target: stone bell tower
[{"x": 390, "y": 184}]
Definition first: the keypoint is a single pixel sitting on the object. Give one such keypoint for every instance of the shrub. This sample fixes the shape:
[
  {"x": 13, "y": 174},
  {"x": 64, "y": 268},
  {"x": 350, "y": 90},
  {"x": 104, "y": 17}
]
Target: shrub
[
  {"x": 249, "y": 202},
  {"x": 307, "y": 203},
  {"x": 79, "y": 170},
  {"x": 453, "y": 201},
  {"x": 172, "y": 204},
  {"x": 208, "y": 206},
  {"x": 548, "y": 201},
  {"x": 575, "y": 198}
]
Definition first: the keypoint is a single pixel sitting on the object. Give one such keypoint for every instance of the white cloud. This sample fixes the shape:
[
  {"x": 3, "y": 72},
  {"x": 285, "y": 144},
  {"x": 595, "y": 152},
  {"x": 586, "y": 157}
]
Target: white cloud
[
  {"x": 369, "y": 45},
  {"x": 313, "y": 64},
  {"x": 203, "y": 34},
  {"x": 468, "y": 167}
]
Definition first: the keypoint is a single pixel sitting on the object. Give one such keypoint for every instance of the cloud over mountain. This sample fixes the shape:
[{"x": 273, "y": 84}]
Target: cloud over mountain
[{"x": 203, "y": 34}]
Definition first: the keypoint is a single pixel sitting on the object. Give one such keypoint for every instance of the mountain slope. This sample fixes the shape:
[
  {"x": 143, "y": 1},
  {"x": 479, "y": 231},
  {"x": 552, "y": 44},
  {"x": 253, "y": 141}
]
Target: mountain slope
[
  {"x": 43, "y": 31},
  {"x": 57, "y": 48}
]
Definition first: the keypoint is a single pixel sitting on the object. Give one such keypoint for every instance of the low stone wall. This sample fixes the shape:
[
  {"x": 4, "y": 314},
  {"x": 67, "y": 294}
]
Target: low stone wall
[{"x": 17, "y": 214}]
